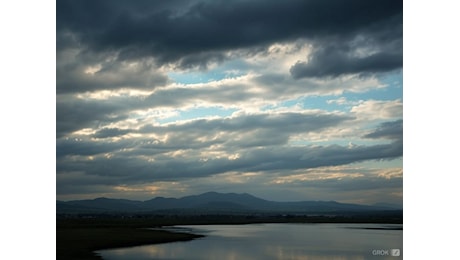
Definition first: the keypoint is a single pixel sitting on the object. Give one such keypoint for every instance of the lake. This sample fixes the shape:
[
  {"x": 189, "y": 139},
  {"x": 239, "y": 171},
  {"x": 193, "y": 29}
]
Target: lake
[{"x": 275, "y": 241}]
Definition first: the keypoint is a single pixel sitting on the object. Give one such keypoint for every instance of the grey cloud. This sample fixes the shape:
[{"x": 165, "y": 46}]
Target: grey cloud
[
  {"x": 81, "y": 147},
  {"x": 281, "y": 123},
  {"x": 363, "y": 190},
  {"x": 243, "y": 131},
  {"x": 250, "y": 136},
  {"x": 87, "y": 188},
  {"x": 107, "y": 75},
  {"x": 332, "y": 63},
  {"x": 297, "y": 158},
  {"x": 133, "y": 169},
  {"x": 248, "y": 130},
  {"x": 280, "y": 86},
  {"x": 74, "y": 114},
  {"x": 71, "y": 183},
  {"x": 226, "y": 94},
  {"x": 201, "y": 60},
  {"x": 110, "y": 132},
  {"x": 389, "y": 130},
  {"x": 352, "y": 184}
]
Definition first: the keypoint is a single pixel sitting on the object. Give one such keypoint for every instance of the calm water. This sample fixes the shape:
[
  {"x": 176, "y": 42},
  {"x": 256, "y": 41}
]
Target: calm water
[{"x": 275, "y": 241}]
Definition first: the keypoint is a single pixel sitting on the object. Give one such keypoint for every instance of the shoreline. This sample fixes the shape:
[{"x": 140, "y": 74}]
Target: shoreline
[
  {"x": 79, "y": 238},
  {"x": 81, "y": 243}
]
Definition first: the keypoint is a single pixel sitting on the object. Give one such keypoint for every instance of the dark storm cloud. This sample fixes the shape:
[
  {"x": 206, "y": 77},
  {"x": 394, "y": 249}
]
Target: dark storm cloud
[
  {"x": 389, "y": 130},
  {"x": 376, "y": 48},
  {"x": 194, "y": 32},
  {"x": 335, "y": 61}
]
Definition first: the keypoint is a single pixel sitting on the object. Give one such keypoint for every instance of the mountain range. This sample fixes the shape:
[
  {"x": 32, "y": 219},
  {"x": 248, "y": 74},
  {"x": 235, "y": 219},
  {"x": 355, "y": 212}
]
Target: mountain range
[{"x": 211, "y": 202}]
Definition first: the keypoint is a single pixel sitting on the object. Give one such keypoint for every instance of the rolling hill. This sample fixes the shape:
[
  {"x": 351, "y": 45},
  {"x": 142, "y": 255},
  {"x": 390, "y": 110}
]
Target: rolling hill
[{"x": 210, "y": 202}]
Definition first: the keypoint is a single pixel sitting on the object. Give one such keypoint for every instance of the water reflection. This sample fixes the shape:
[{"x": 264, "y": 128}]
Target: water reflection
[{"x": 274, "y": 241}]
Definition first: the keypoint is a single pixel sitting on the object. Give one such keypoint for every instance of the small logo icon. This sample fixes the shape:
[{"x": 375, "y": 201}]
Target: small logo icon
[{"x": 395, "y": 252}]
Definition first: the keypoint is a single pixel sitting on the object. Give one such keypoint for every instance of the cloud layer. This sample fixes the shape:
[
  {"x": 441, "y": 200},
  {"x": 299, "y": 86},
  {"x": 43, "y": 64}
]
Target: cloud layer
[{"x": 180, "y": 97}]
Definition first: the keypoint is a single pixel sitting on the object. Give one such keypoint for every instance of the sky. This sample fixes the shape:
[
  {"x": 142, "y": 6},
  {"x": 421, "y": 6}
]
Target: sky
[{"x": 285, "y": 100}]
